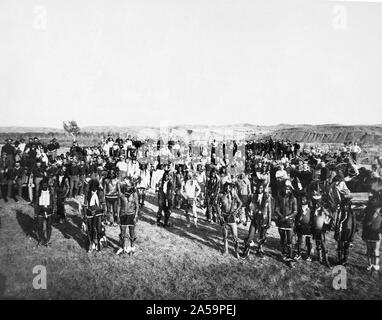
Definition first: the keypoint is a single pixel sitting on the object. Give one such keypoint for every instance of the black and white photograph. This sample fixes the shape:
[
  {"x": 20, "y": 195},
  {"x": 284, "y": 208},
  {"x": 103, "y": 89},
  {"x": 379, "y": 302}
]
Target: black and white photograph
[{"x": 205, "y": 152}]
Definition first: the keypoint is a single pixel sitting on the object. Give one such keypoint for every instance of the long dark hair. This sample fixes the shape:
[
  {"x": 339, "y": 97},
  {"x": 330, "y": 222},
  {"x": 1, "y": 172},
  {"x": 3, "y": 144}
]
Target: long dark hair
[
  {"x": 44, "y": 180},
  {"x": 92, "y": 186}
]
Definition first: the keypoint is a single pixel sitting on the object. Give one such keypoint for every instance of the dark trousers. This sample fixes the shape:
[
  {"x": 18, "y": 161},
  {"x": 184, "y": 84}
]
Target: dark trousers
[
  {"x": 286, "y": 239},
  {"x": 319, "y": 237},
  {"x": 93, "y": 229},
  {"x": 211, "y": 210},
  {"x": 141, "y": 195},
  {"x": 246, "y": 202},
  {"x": 74, "y": 185},
  {"x": 3, "y": 189},
  {"x": 308, "y": 244},
  {"x": 127, "y": 233},
  {"x": 343, "y": 251},
  {"x": 40, "y": 228},
  {"x": 14, "y": 188},
  {"x": 178, "y": 198},
  {"x": 165, "y": 206},
  {"x": 112, "y": 205}
]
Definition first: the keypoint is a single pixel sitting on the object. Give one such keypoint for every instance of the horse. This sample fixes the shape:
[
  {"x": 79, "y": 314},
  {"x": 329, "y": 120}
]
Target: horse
[{"x": 362, "y": 182}]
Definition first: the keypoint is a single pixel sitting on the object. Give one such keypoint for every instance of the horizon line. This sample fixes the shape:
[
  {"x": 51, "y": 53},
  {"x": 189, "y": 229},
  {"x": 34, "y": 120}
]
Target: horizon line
[{"x": 198, "y": 125}]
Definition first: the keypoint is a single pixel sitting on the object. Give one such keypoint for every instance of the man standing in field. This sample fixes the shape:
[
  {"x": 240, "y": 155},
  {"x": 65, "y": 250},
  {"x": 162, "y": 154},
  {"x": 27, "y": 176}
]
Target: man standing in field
[
  {"x": 286, "y": 210},
  {"x": 165, "y": 199},
  {"x": 201, "y": 179},
  {"x": 228, "y": 205},
  {"x": 9, "y": 151},
  {"x": 44, "y": 205},
  {"x": 303, "y": 227},
  {"x": 111, "y": 187},
  {"x": 92, "y": 216},
  {"x": 372, "y": 231},
  {"x": 212, "y": 193},
  {"x": 143, "y": 183},
  {"x": 243, "y": 186},
  {"x": 355, "y": 150},
  {"x": 38, "y": 173},
  {"x": 190, "y": 192},
  {"x": 62, "y": 191},
  {"x": 261, "y": 220},
  {"x": 14, "y": 176},
  {"x": 74, "y": 177},
  {"x": 128, "y": 216}
]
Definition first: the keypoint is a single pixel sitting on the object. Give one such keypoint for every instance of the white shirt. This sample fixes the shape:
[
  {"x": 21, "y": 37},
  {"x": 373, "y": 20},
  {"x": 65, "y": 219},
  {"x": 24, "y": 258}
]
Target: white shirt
[
  {"x": 122, "y": 166},
  {"x": 191, "y": 189},
  {"x": 356, "y": 149},
  {"x": 145, "y": 179},
  {"x": 133, "y": 169},
  {"x": 21, "y": 147},
  {"x": 281, "y": 174},
  {"x": 44, "y": 158},
  {"x": 201, "y": 177},
  {"x": 94, "y": 201},
  {"x": 157, "y": 175},
  {"x": 165, "y": 187},
  {"x": 44, "y": 199},
  {"x": 259, "y": 198}
]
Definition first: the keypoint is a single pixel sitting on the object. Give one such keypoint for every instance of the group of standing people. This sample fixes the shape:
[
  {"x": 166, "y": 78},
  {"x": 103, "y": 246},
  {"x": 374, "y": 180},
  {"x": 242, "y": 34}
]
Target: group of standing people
[{"x": 305, "y": 193}]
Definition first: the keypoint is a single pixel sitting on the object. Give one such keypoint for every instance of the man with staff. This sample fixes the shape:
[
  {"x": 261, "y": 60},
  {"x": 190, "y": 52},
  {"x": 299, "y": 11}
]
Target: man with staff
[{"x": 190, "y": 192}]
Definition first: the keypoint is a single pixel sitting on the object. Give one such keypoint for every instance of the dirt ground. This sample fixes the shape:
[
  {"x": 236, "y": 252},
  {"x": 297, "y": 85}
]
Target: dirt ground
[{"x": 173, "y": 263}]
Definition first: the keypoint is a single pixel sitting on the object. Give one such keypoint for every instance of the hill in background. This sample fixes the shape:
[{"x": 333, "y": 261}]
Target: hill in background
[{"x": 325, "y": 133}]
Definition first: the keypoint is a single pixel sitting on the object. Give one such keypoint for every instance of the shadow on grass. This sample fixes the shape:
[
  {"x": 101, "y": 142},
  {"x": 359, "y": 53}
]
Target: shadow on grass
[
  {"x": 191, "y": 233},
  {"x": 27, "y": 224},
  {"x": 207, "y": 234},
  {"x": 114, "y": 244},
  {"x": 72, "y": 203},
  {"x": 71, "y": 229}
]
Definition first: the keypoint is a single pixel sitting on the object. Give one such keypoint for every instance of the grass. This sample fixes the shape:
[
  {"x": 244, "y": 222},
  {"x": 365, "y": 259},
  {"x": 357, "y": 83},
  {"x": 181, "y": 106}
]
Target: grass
[{"x": 174, "y": 263}]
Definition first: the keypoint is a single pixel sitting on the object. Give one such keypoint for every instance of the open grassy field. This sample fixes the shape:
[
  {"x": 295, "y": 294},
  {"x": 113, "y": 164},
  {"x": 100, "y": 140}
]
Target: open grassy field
[{"x": 174, "y": 263}]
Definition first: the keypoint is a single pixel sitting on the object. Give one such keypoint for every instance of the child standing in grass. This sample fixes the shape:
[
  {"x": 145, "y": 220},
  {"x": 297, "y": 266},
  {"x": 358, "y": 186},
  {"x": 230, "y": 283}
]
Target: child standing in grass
[{"x": 372, "y": 230}]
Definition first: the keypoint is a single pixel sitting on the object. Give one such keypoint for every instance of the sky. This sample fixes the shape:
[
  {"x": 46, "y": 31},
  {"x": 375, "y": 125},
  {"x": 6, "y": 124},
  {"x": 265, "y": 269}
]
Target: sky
[{"x": 174, "y": 62}]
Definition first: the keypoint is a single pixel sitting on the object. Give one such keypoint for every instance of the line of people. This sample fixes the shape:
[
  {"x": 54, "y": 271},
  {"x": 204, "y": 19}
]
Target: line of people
[{"x": 305, "y": 194}]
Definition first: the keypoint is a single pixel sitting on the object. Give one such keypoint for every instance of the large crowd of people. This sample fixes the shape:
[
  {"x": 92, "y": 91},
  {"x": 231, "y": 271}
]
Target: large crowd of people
[{"x": 306, "y": 192}]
